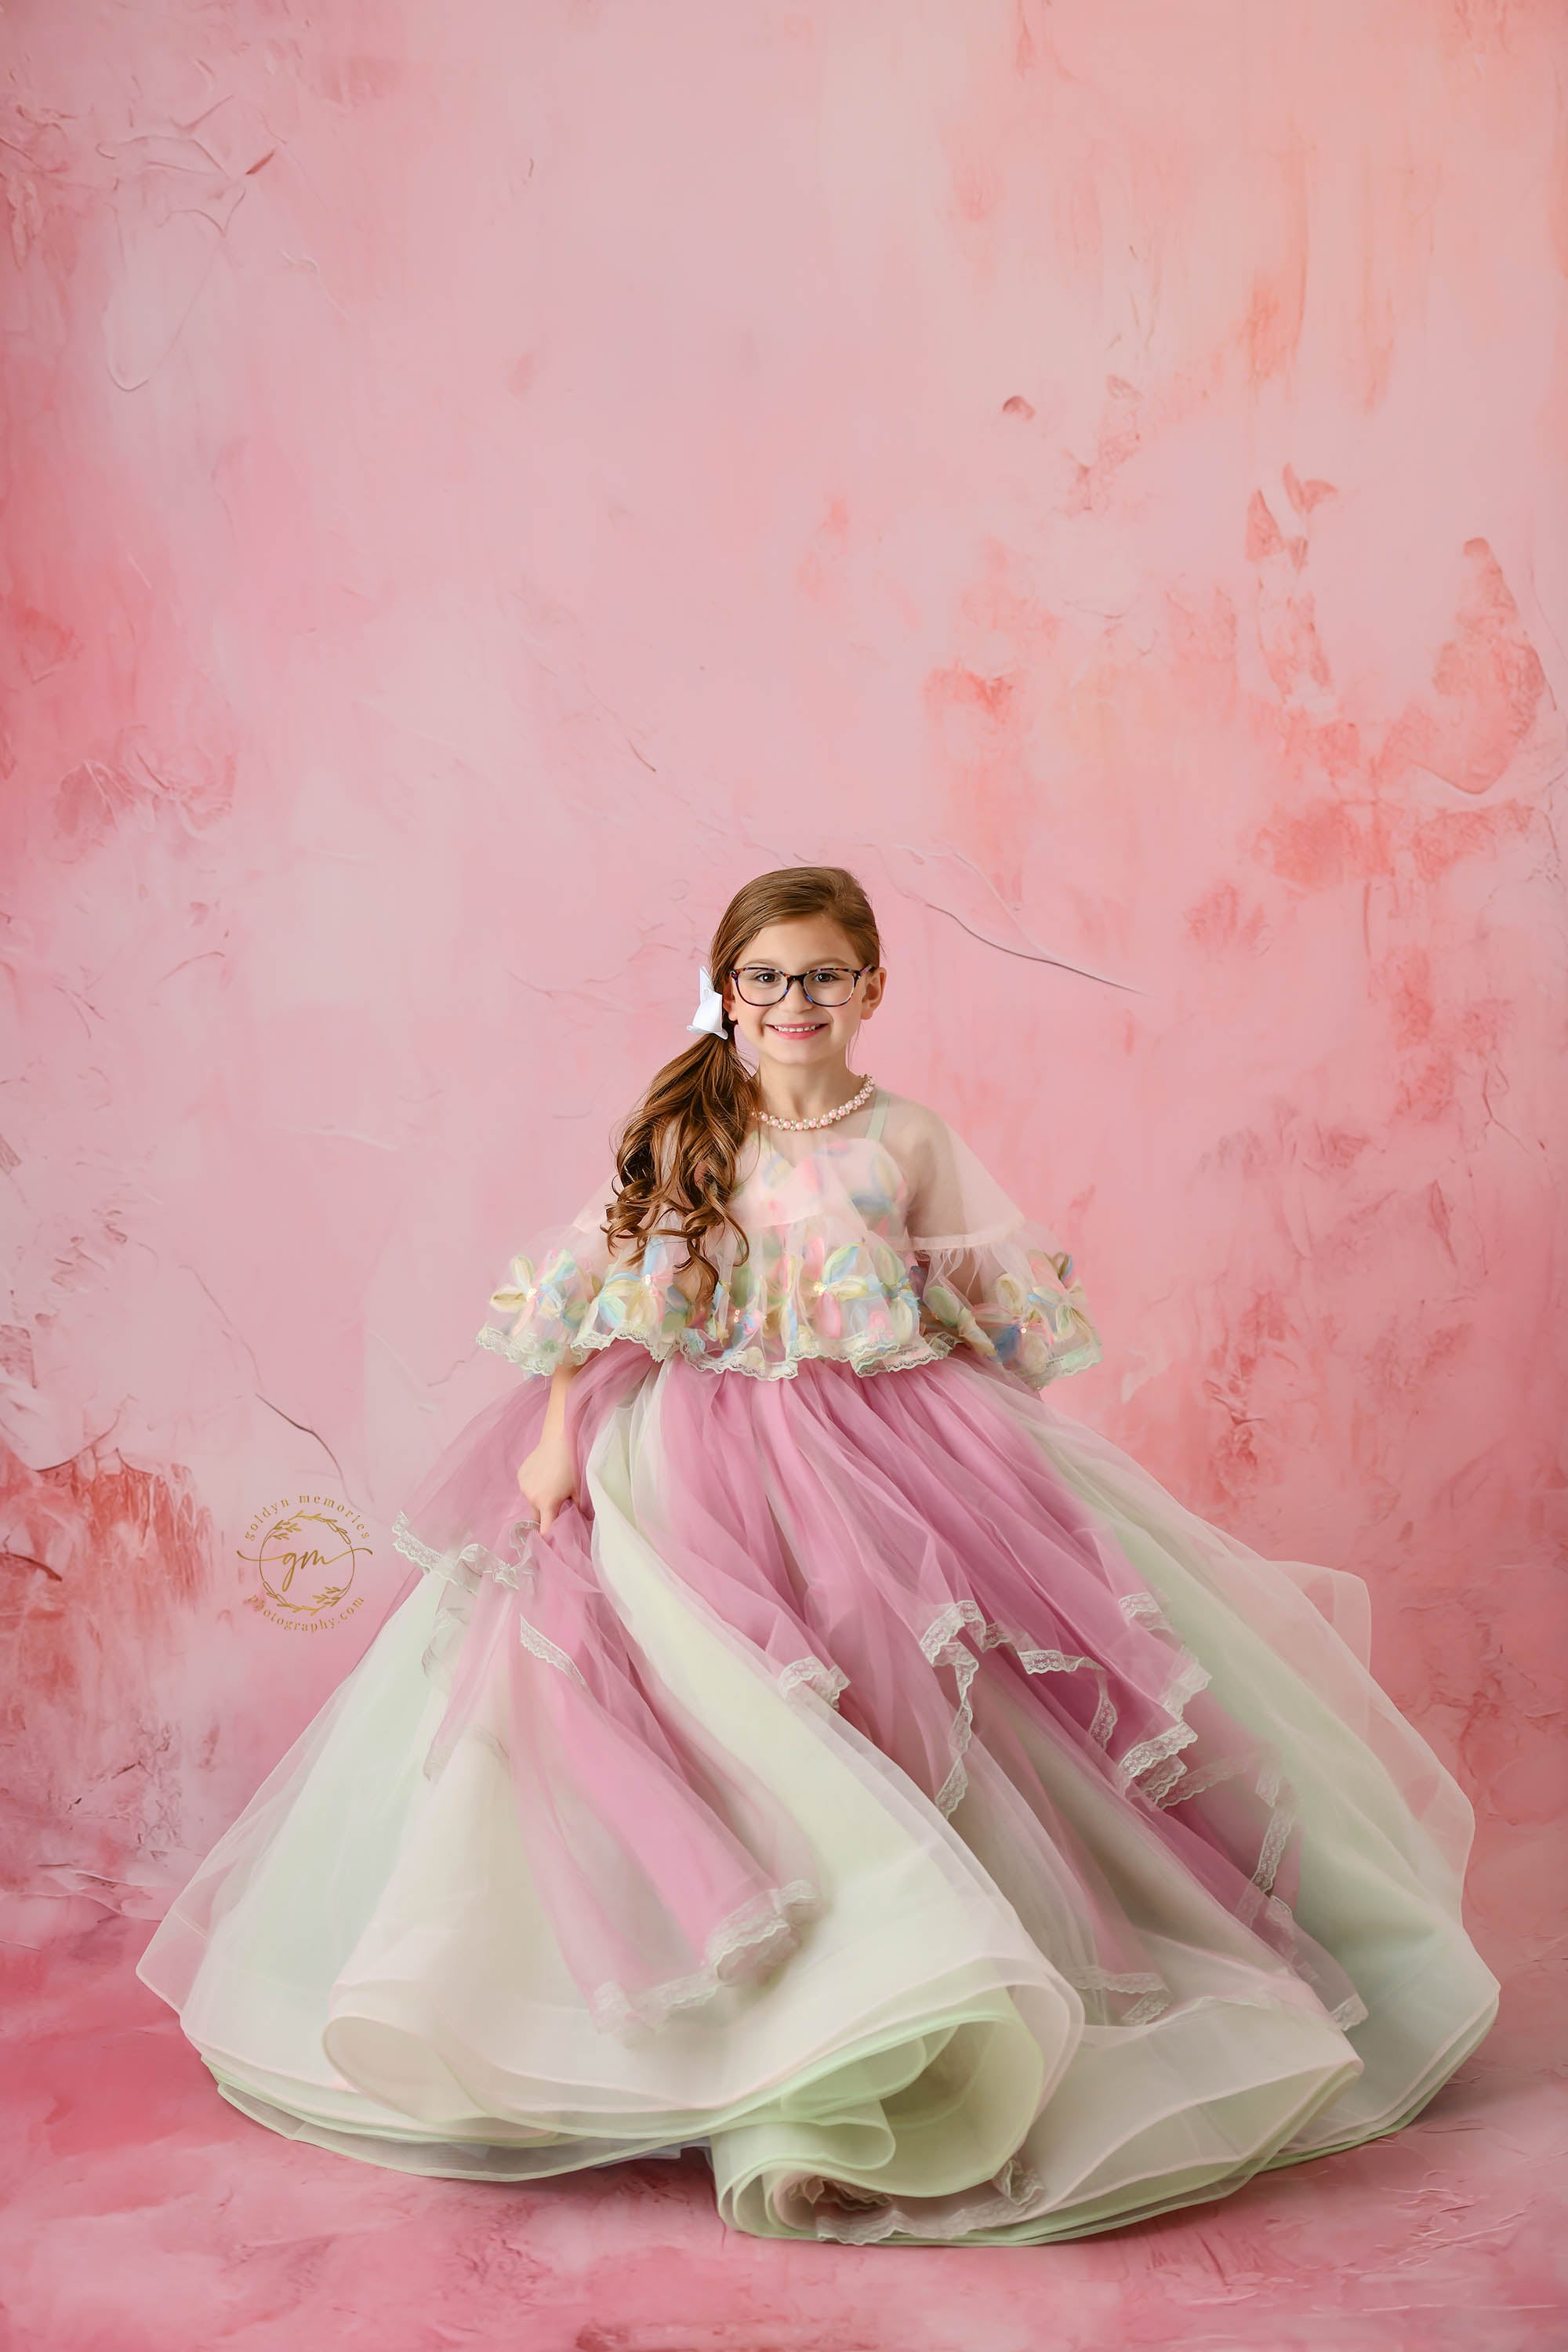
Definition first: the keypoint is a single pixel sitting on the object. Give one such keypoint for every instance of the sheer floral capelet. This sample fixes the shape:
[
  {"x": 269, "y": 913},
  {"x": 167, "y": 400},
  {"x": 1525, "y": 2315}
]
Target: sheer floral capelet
[{"x": 881, "y": 1241}]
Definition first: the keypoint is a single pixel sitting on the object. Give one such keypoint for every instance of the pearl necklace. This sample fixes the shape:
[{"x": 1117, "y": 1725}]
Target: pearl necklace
[{"x": 828, "y": 1116}]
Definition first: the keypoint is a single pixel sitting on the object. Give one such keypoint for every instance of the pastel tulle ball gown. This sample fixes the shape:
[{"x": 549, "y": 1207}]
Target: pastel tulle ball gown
[{"x": 879, "y": 1780}]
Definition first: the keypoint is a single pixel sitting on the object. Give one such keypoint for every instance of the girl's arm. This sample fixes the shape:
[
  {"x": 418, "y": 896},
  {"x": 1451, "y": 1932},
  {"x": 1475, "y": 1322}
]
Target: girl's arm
[
  {"x": 548, "y": 1476},
  {"x": 561, "y": 1380}
]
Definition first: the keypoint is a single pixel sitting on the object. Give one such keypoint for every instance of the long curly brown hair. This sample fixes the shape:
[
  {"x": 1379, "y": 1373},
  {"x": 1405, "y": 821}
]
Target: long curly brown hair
[{"x": 678, "y": 1150}]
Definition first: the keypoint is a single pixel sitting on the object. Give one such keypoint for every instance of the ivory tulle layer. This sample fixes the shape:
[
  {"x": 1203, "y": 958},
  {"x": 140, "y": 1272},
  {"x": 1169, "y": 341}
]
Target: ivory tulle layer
[{"x": 882, "y": 1782}]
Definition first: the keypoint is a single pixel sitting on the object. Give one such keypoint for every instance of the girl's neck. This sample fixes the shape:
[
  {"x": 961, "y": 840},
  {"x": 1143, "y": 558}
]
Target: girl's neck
[{"x": 806, "y": 1094}]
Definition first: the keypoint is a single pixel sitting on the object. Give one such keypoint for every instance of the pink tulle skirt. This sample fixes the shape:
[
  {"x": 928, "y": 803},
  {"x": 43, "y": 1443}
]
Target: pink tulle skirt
[
  {"x": 797, "y": 1642},
  {"x": 897, "y": 1547}
]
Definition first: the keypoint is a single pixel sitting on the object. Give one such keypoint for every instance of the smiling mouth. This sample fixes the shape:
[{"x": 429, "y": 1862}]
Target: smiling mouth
[{"x": 796, "y": 1028}]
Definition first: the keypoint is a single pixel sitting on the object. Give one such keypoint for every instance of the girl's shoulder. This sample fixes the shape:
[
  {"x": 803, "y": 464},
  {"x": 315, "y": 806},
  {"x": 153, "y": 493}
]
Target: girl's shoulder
[{"x": 913, "y": 1130}]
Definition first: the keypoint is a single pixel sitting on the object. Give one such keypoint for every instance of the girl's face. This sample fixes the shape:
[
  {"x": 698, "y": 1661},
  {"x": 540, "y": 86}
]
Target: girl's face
[{"x": 792, "y": 1033}]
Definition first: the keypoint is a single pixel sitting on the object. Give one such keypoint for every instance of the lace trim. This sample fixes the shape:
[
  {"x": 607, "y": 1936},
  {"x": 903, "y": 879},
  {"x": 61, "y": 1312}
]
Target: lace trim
[
  {"x": 534, "y": 1356},
  {"x": 1155, "y": 1993},
  {"x": 941, "y": 1647},
  {"x": 1274, "y": 1792},
  {"x": 459, "y": 1567},
  {"x": 956, "y": 1786},
  {"x": 1281, "y": 1821},
  {"x": 1193, "y": 1784},
  {"x": 1157, "y": 1750},
  {"x": 1351, "y": 2011},
  {"x": 543, "y": 1647},
  {"x": 763, "y": 1932},
  {"x": 1135, "y": 1606},
  {"x": 1048, "y": 1662},
  {"x": 827, "y": 1682},
  {"x": 541, "y": 1358},
  {"x": 1163, "y": 1779},
  {"x": 1098, "y": 1979},
  {"x": 465, "y": 1564},
  {"x": 1015, "y": 2192},
  {"x": 1188, "y": 1679}
]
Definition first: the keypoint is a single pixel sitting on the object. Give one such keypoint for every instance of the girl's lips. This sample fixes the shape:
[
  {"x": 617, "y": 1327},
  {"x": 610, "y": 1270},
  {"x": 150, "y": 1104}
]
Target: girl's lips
[{"x": 796, "y": 1028}]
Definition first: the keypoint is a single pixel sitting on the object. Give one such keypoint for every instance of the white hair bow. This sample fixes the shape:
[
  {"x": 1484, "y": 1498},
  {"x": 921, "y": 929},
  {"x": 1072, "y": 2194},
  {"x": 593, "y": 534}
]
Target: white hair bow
[{"x": 710, "y": 1013}]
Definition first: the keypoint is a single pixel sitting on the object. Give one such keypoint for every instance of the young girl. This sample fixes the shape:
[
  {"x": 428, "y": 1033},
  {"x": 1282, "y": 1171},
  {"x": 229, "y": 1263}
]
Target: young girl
[{"x": 834, "y": 1756}]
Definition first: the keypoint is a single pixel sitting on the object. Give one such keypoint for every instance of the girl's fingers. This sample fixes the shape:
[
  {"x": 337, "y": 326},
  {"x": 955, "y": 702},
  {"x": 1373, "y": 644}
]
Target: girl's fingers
[{"x": 546, "y": 1513}]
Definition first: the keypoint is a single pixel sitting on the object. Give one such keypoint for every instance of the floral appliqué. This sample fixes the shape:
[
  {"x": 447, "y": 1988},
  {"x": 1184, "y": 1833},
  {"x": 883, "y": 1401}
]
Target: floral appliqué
[{"x": 805, "y": 1291}]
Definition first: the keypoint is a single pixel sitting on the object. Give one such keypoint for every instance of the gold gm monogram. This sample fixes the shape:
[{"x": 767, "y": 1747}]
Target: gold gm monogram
[{"x": 306, "y": 1549}]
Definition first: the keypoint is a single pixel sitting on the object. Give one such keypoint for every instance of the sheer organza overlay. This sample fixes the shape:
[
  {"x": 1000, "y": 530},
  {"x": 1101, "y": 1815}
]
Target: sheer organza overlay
[
  {"x": 882, "y": 1784},
  {"x": 881, "y": 1242}
]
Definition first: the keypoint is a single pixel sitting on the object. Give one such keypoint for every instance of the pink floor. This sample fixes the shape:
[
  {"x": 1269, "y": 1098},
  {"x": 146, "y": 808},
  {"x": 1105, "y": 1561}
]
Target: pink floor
[{"x": 143, "y": 2214}]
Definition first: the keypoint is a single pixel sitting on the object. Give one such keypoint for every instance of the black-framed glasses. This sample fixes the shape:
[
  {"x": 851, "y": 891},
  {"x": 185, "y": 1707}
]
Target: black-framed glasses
[{"x": 824, "y": 983}]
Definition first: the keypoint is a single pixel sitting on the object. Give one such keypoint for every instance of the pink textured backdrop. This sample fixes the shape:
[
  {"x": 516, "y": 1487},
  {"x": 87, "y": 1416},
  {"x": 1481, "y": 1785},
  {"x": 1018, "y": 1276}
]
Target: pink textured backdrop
[{"x": 484, "y": 480}]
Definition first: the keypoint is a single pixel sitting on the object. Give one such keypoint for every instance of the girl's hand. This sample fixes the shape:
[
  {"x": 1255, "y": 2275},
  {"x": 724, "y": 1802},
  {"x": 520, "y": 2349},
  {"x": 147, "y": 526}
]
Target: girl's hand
[{"x": 548, "y": 1477}]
